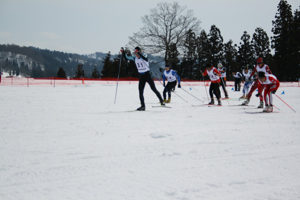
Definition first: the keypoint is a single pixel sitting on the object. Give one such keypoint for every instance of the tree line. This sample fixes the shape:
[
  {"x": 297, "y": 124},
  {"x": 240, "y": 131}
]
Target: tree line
[{"x": 173, "y": 33}]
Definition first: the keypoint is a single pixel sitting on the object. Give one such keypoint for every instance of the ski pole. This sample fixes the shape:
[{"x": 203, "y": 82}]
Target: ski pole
[
  {"x": 118, "y": 76},
  {"x": 226, "y": 93},
  {"x": 204, "y": 85},
  {"x": 285, "y": 102},
  {"x": 166, "y": 88},
  {"x": 192, "y": 95},
  {"x": 276, "y": 107},
  {"x": 189, "y": 85}
]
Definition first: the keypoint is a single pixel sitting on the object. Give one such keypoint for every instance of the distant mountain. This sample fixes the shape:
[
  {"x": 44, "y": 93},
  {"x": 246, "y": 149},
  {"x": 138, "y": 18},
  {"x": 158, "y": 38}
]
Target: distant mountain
[{"x": 35, "y": 62}]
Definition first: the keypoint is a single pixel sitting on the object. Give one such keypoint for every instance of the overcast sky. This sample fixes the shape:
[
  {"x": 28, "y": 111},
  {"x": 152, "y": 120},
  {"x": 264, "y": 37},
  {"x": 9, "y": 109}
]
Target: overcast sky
[{"x": 88, "y": 26}]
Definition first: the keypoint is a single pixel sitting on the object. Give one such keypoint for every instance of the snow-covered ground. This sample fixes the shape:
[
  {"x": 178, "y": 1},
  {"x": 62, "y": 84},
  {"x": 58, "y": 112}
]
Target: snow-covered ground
[{"x": 73, "y": 142}]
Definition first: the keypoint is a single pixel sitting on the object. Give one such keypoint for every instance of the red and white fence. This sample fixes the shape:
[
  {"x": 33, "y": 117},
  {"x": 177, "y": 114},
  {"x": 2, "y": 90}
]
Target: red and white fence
[{"x": 54, "y": 81}]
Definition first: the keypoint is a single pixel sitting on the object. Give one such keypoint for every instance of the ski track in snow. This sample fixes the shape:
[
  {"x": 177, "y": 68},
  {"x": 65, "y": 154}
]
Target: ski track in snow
[{"x": 73, "y": 142}]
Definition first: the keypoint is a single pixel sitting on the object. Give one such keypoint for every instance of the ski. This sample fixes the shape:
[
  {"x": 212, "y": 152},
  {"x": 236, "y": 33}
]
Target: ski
[
  {"x": 135, "y": 110},
  {"x": 244, "y": 105},
  {"x": 200, "y": 105},
  {"x": 209, "y": 105},
  {"x": 231, "y": 99},
  {"x": 161, "y": 106},
  {"x": 241, "y": 105},
  {"x": 259, "y": 112},
  {"x": 214, "y": 106}
]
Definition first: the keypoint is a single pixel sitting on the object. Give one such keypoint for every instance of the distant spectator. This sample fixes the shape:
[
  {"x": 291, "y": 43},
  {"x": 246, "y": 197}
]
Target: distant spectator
[{"x": 237, "y": 80}]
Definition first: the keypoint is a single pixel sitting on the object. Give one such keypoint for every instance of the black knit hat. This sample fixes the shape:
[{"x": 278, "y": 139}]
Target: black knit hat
[
  {"x": 261, "y": 74},
  {"x": 137, "y": 48}
]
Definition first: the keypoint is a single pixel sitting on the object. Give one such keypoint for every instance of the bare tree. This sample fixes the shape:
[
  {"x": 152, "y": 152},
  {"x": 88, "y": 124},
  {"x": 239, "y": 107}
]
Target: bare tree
[{"x": 166, "y": 25}]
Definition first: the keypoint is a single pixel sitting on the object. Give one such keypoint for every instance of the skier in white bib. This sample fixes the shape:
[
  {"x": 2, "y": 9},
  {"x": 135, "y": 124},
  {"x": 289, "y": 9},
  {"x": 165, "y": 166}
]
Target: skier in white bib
[
  {"x": 248, "y": 80},
  {"x": 142, "y": 65},
  {"x": 222, "y": 70},
  {"x": 171, "y": 76},
  {"x": 214, "y": 87},
  {"x": 237, "y": 80}
]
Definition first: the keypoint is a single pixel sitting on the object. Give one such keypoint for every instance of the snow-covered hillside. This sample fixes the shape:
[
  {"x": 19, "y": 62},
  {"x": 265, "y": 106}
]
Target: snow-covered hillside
[{"x": 73, "y": 142}]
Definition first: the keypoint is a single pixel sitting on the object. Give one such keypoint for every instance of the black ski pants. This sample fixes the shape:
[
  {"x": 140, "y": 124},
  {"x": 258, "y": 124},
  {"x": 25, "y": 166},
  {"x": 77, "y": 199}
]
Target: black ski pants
[
  {"x": 237, "y": 84},
  {"x": 214, "y": 89},
  {"x": 168, "y": 88},
  {"x": 146, "y": 78}
]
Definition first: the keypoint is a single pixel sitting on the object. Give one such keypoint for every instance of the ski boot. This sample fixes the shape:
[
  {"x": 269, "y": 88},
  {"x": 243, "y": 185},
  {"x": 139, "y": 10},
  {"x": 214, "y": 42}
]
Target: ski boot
[
  {"x": 168, "y": 101},
  {"x": 261, "y": 104},
  {"x": 142, "y": 108},
  {"x": 246, "y": 102},
  {"x": 219, "y": 103},
  {"x": 270, "y": 108},
  {"x": 212, "y": 102}
]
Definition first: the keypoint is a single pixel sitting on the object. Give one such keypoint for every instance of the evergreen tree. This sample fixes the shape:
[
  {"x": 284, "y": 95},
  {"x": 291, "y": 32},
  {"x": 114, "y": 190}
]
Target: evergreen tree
[
  {"x": 203, "y": 50},
  {"x": 108, "y": 67},
  {"x": 230, "y": 60},
  {"x": 215, "y": 45},
  {"x": 24, "y": 69},
  {"x": 261, "y": 43},
  {"x": 282, "y": 42},
  {"x": 36, "y": 71},
  {"x": 95, "y": 73},
  {"x": 80, "y": 72},
  {"x": 245, "y": 52},
  {"x": 173, "y": 55},
  {"x": 296, "y": 41},
  {"x": 18, "y": 72},
  {"x": 190, "y": 56},
  {"x": 116, "y": 64},
  {"x": 61, "y": 73}
]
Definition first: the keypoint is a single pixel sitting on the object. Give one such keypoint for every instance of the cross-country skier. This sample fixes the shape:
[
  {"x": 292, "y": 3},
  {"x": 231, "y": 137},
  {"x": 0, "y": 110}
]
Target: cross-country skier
[
  {"x": 260, "y": 67},
  {"x": 237, "y": 80},
  {"x": 222, "y": 70},
  {"x": 171, "y": 77},
  {"x": 214, "y": 76},
  {"x": 247, "y": 81},
  {"x": 142, "y": 65},
  {"x": 271, "y": 86}
]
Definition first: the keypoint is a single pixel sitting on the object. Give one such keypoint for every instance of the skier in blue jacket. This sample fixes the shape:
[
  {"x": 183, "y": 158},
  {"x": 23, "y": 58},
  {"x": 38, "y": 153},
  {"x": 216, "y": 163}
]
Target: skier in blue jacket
[
  {"x": 142, "y": 65},
  {"x": 171, "y": 77}
]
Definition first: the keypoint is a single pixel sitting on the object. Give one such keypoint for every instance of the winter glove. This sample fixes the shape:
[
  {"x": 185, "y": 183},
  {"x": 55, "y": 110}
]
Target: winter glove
[
  {"x": 179, "y": 86},
  {"x": 274, "y": 91},
  {"x": 257, "y": 95}
]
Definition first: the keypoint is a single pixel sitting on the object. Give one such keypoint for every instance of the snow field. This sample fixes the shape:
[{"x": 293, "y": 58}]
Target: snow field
[{"x": 73, "y": 142}]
